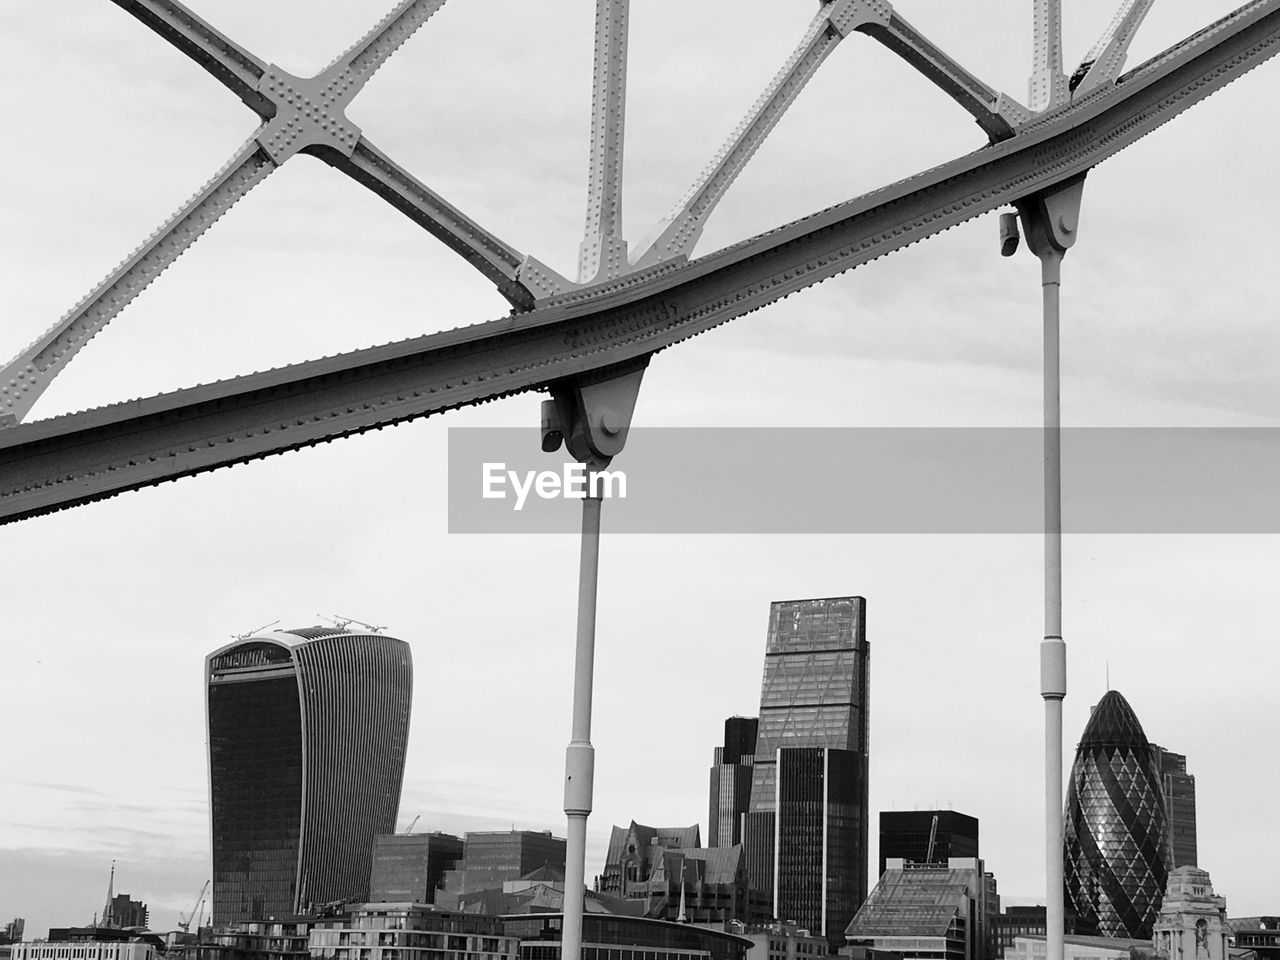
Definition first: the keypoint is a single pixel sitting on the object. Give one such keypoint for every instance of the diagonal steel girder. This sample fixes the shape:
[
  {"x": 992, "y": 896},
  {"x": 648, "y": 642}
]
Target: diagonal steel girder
[
  {"x": 298, "y": 115},
  {"x": 62, "y": 462}
]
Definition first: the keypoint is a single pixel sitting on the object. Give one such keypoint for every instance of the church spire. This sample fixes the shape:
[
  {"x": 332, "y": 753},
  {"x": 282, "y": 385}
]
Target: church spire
[{"x": 108, "y": 913}]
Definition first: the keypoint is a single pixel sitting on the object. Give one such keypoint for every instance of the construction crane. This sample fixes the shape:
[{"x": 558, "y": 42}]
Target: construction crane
[
  {"x": 185, "y": 922},
  {"x": 933, "y": 837},
  {"x": 341, "y": 622},
  {"x": 412, "y": 823}
]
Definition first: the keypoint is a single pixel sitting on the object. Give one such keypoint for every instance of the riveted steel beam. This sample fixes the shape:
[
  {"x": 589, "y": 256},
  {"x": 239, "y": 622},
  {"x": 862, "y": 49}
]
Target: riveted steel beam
[
  {"x": 998, "y": 114},
  {"x": 299, "y": 114},
  {"x": 603, "y": 251},
  {"x": 678, "y": 234},
  {"x": 234, "y": 67},
  {"x": 1047, "y": 87},
  {"x": 27, "y": 375},
  {"x": 1104, "y": 61},
  {"x": 494, "y": 259},
  {"x": 54, "y": 464}
]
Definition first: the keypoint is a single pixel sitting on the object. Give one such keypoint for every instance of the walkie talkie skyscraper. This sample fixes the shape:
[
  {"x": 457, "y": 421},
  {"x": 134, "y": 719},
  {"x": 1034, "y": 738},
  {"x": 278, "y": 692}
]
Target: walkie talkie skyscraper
[{"x": 307, "y": 737}]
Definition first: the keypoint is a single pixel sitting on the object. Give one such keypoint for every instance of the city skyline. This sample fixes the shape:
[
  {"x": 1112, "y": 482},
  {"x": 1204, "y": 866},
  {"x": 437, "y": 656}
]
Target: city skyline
[{"x": 1174, "y": 250}]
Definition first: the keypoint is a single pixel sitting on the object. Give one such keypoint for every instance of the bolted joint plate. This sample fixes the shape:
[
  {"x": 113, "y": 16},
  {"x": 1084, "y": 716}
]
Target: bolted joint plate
[
  {"x": 541, "y": 280},
  {"x": 1051, "y": 220},
  {"x": 595, "y": 415},
  {"x": 310, "y": 111},
  {"x": 847, "y": 16}
]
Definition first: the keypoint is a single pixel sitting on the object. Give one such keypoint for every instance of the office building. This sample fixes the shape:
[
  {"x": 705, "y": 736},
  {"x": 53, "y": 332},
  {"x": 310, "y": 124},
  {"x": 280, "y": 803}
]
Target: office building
[
  {"x": 1192, "y": 922},
  {"x": 731, "y": 782},
  {"x": 1116, "y": 846},
  {"x": 1179, "y": 805},
  {"x": 410, "y": 867},
  {"x": 813, "y": 699},
  {"x": 490, "y": 858},
  {"x": 926, "y": 836},
  {"x": 1016, "y": 922},
  {"x": 929, "y": 910},
  {"x": 13, "y": 930},
  {"x": 307, "y": 735},
  {"x": 820, "y": 817}
]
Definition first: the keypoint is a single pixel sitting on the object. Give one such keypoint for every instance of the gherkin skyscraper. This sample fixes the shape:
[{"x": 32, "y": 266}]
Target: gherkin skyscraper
[{"x": 1117, "y": 855}]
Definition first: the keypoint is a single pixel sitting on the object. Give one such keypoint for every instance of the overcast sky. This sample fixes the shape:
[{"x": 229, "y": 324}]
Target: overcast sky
[{"x": 1169, "y": 319}]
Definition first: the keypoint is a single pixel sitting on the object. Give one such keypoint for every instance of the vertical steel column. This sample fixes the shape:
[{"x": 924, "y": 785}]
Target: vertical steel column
[
  {"x": 1051, "y": 221},
  {"x": 579, "y": 760},
  {"x": 1047, "y": 87},
  {"x": 1053, "y": 650},
  {"x": 603, "y": 252}
]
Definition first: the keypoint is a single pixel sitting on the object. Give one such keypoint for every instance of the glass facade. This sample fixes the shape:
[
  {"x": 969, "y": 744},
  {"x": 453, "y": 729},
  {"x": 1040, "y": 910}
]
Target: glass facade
[
  {"x": 306, "y": 755},
  {"x": 1116, "y": 848},
  {"x": 1179, "y": 805},
  {"x": 814, "y": 690},
  {"x": 914, "y": 835},
  {"x": 255, "y": 782},
  {"x": 409, "y": 868},
  {"x": 814, "y": 694},
  {"x": 819, "y": 815},
  {"x": 925, "y": 910},
  {"x": 731, "y": 782},
  {"x": 611, "y": 937}
]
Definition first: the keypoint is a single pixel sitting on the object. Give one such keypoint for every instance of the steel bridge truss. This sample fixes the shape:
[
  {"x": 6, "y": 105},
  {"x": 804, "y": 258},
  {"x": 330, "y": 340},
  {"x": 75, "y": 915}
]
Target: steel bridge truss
[{"x": 625, "y": 306}]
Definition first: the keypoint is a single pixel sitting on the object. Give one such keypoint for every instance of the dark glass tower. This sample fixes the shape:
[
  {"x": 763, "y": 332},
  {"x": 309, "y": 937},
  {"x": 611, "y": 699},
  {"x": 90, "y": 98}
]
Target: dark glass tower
[
  {"x": 927, "y": 836},
  {"x": 731, "y": 782},
  {"x": 307, "y": 736},
  {"x": 820, "y": 817},
  {"x": 814, "y": 694},
  {"x": 1179, "y": 805},
  {"x": 1116, "y": 851}
]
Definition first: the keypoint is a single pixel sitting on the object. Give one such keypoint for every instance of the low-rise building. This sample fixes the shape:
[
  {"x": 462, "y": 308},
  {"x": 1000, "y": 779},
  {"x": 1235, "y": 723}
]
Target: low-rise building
[
  {"x": 928, "y": 911},
  {"x": 410, "y": 931},
  {"x": 614, "y": 937},
  {"x": 1079, "y": 948},
  {"x": 87, "y": 943},
  {"x": 1259, "y": 934},
  {"x": 285, "y": 939},
  {"x": 784, "y": 941}
]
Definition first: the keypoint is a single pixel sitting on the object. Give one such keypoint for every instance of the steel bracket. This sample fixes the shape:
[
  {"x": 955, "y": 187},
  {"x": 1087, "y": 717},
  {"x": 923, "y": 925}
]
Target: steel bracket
[
  {"x": 1051, "y": 220},
  {"x": 593, "y": 414}
]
